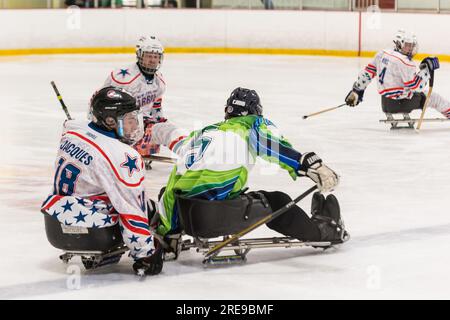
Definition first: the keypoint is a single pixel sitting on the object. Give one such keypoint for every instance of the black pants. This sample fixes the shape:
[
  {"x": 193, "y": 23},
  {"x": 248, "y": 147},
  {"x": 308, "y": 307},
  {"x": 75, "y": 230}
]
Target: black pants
[
  {"x": 403, "y": 105},
  {"x": 293, "y": 223}
]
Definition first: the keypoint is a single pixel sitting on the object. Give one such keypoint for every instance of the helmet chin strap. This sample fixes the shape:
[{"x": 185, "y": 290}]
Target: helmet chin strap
[{"x": 149, "y": 76}]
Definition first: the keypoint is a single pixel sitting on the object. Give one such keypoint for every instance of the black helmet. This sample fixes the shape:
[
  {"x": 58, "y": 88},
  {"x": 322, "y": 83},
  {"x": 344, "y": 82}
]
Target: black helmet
[
  {"x": 109, "y": 107},
  {"x": 243, "y": 102}
]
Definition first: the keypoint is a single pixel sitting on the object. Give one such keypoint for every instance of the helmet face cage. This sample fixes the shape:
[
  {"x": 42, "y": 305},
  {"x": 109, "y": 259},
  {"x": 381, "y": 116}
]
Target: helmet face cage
[
  {"x": 130, "y": 127},
  {"x": 114, "y": 109},
  {"x": 406, "y": 43},
  {"x": 243, "y": 102},
  {"x": 150, "y": 45}
]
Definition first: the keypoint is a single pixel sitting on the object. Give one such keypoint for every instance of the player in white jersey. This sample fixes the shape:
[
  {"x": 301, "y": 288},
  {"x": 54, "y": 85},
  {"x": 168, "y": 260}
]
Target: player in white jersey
[
  {"x": 400, "y": 83},
  {"x": 144, "y": 81},
  {"x": 99, "y": 176}
]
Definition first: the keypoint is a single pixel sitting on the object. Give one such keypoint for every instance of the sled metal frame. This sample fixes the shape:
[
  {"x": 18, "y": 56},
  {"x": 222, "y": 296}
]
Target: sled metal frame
[
  {"x": 94, "y": 258},
  {"x": 410, "y": 122},
  {"x": 242, "y": 247}
]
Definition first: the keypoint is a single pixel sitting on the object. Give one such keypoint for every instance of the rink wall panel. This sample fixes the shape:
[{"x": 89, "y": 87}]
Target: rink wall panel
[{"x": 216, "y": 31}]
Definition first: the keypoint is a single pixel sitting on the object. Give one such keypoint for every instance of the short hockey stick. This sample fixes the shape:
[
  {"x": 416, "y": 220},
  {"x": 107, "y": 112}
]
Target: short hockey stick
[
  {"x": 160, "y": 159},
  {"x": 323, "y": 111},
  {"x": 262, "y": 221},
  {"x": 419, "y": 124},
  {"x": 63, "y": 105}
]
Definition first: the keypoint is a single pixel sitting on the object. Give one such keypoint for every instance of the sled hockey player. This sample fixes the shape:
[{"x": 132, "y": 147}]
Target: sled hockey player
[
  {"x": 214, "y": 163},
  {"x": 99, "y": 177},
  {"x": 401, "y": 84},
  {"x": 145, "y": 82}
]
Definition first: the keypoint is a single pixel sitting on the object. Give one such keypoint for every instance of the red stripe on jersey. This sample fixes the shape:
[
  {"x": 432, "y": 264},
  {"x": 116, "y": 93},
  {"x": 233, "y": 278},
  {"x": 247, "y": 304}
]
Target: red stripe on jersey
[
  {"x": 134, "y": 229},
  {"x": 409, "y": 82},
  {"x": 134, "y": 217},
  {"x": 174, "y": 142},
  {"x": 394, "y": 96},
  {"x": 391, "y": 89},
  {"x": 119, "y": 82},
  {"x": 107, "y": 159},
  {"x": 160, "y": 78},
  {"x": 406, "y": 64},
  {"x": 52, "y": 202},
  {"x": 371, "y": 72},
  {"x": 417, "y": 84}
]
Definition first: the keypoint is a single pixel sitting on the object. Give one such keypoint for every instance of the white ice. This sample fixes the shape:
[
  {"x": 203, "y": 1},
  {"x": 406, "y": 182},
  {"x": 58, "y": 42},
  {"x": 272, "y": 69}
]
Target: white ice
[{"x": 394, "y": 191}]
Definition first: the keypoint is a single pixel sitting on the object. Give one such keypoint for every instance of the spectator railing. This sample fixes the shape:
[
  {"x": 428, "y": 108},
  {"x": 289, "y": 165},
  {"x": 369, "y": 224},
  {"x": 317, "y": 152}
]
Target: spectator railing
[{"x": 338, "y": 5}]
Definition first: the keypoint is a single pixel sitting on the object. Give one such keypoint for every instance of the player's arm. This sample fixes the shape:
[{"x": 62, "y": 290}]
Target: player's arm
[
  {"x": 169, "y": 135},
  {"x": 416, "y": 81},
  {"x": 266, "y": 143},
  {"x": 127, "y": 196},
  {"x": 157, "y": 112},
  {"x": 128, "y": 199},
  {"x": 355, "y": 96}
]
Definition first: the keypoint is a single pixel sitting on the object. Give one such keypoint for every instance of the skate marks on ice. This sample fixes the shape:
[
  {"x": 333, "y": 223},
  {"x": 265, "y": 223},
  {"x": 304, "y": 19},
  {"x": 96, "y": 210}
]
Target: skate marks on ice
[{"x": 190, "y": 263}]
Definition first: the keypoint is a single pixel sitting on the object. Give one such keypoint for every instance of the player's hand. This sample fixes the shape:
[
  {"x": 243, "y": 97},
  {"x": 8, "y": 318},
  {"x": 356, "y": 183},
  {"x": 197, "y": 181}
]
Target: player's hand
[
  {"x": 432, "y": 63},
  {"x": 311, "y": 165},
  {"x": 151, "y": 265},
  {"x": 354, "y": 97}
]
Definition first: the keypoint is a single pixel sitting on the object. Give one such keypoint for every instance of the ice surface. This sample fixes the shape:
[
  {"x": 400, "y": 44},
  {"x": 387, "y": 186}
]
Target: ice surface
[{"x": 394, "y": 191}]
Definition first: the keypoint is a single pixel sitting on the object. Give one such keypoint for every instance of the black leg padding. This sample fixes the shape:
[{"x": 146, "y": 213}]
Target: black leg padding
[
  {"x": 403, "y": 105},
  {"x": 293, "y": 223}
]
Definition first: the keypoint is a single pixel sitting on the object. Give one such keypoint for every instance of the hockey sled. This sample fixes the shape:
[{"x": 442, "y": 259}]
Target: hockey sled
[
  {"x": 96, "y": 246},
  {"x": 406, "y": 122},
  {"x": 205, "y": 221}
]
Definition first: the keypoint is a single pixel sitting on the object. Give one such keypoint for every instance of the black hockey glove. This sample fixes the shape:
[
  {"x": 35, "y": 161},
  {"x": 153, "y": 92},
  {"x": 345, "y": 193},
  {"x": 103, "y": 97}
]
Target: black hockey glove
[
  {"x": 311, "y": 165},
  {"x": 432, "y": 63},
  {"x": 151, "y": 265},
  {"x": 354, "y": 97}
]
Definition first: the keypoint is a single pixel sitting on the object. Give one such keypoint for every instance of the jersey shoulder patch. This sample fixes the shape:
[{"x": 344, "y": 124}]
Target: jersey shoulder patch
[{"x": 125, "y": 75}]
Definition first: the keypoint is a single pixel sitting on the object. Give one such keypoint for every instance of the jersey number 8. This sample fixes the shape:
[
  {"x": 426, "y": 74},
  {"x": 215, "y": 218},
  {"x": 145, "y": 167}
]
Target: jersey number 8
[{"x": 65, "y": 178}]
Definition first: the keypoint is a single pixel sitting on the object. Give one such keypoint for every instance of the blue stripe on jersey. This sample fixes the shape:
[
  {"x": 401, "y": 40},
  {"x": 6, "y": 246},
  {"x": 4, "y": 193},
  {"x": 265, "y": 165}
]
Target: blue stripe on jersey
[
  {"x": 46, "y": 200},
  {"x": 264, "y": 146},
  {"x": 216, "y": 193},
  {"x": 392, "y": 93},
  {"x": 416, "y": 80},
  {"x": 138, "y": 224}
]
